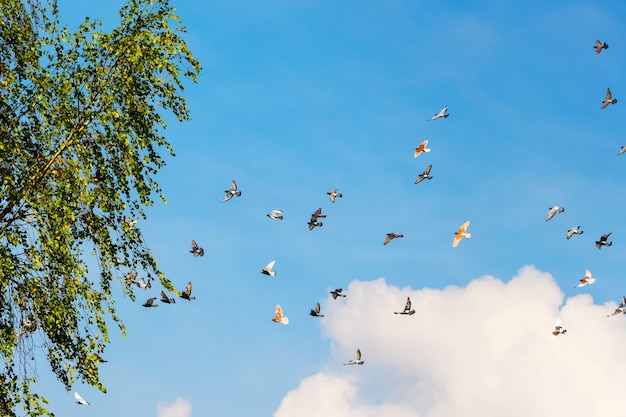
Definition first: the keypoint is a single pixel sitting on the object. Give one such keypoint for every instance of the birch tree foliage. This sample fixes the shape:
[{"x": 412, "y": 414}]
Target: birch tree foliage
[{"x": 82, "y": 135}]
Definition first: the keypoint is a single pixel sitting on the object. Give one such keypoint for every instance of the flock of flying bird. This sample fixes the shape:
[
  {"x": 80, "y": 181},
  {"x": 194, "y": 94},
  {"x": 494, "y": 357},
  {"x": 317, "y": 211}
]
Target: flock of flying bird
[{"x": 314, "y": 222}]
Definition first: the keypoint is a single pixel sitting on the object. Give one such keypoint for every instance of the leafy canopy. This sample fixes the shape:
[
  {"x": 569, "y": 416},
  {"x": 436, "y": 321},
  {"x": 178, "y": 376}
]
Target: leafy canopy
[{"x": 81, "y": 139}]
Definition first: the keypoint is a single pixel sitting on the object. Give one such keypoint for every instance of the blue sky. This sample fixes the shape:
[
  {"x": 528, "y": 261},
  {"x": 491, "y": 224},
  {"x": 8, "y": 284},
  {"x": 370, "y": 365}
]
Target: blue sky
[{"x": 298, "y": 98}]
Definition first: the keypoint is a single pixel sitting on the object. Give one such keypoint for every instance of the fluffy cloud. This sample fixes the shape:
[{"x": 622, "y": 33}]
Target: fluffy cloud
[
  {"x": 179, "y": 408},
  {"x": 485, "y": 350}
]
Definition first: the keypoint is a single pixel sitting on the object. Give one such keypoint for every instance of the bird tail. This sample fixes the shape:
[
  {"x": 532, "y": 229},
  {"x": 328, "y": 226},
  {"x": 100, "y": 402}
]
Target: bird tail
[
  {"x": 468, "y": 236},
  {"x": 609, "y": 243},
  {"x": 285, "y": 320},
  {"x": 238, "y": 193}
]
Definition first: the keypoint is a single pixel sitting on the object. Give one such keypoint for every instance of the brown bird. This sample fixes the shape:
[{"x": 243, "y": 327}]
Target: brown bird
[
  {"x": 390, "y": 237},
  {"x": 600, "y": 46},
  {"x": 462, "y": 233},
  {"x": 278, "y": 316},
  {"x": 420, "y": 149},
  {"x": 186, "y": 294},
  {"x": 608, "y": 100},
  {"x": 150, "y": 302}
]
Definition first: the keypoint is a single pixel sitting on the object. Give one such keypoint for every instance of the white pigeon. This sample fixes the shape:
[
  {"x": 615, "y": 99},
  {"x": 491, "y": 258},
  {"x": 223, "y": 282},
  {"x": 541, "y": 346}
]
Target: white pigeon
[
  {"x": 553, "y": 210},
  {"x": 622, "y": 150},
  {"x": 587, "y": 279},
  {"x": 80, "y": 400},
  {"x": 143, "y": 284},
  {"x": 268, "y": 269},
  {"x": 357, "y": 359},
  {"x": 334, "y": 194},
  {"x": 621, "y": 309},
  {"x": 442, "y": 114},
  {"x": 276, "y": 215},
  {"x": 573, "y": 231}
]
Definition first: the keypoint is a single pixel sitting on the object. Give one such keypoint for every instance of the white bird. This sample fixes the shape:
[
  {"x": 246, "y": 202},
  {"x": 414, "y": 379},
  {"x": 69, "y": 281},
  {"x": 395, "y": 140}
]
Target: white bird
[
  {"x": 573, "y": 231},
  {"x": 334, "y": 194},
  {"x": 143, "y": 284},
  {"x": 276, "y": 215},
  {"x": 421, "y": 148},
  {"x": 462, "y": 233},
  {"x": 80, "y": 400},
  {"x": 622, "y": 150},
  {"x": 621, "y": 309},
  {"x": 357, "y": 359},
  {"x": 442, "y": 114},
  {"x": 407, "y": 308},
  {"x": 278, "y": 316},
  {"x": 554, "y": 210},
  {"x": 268, "y": 269},
  {"x": 587, "y": 279},
  {"x": 231, "y": 192}
]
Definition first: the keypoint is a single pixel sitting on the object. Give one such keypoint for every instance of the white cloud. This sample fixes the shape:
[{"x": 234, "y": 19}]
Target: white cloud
[
  {"x": 484, "y": 350},
  {"x": 179, "y": 408}
]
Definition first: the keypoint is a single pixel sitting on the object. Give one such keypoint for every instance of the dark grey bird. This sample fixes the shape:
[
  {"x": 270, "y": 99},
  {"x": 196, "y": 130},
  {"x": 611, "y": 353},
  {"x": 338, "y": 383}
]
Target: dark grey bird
[
  {"x": 316, "y": 311},
  {"x": 313, "y": 223},
  {"x": 608, "y": 99},
  {"x": 391, "y": 236},
  {"x": 603, "y": 241},
  {"x": 150, "y": 302},
  {"x": 337, "y": 293},
  {"x": 276, "y": 215},
  {"x": 231, "y": 192},
  {"x": 165, "y": 299},
  {"x": 407, "y": 308},
  {"x": 621, "y": 309},
  {"x": 186, "y": 294},
  {"x": 334, "y": 194},
  {"x": 196, "y": 250},
  {"x": 424, "y": 175},
  {"x": 599, "y": 46},
  {"x": 573, "y": 231}
]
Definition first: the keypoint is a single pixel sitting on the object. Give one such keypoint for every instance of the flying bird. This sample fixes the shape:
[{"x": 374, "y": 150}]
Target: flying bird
[
  {"x": 608, "y": 99},
  {"x": 600, "y": 46},
  {"x": 80, "y": 400},
  {"x": 462, "y": 233},
  {"x": 603, "y": 241},
  {"x": 150, "y": 302},
  {"x": 337, "y": 293},
  {"x": 316, "y": 215},
  {"x": 231, "y": 192},
  {"x": 186, "y": 294},
  {"x": 573, "y": 231},
  {"x": 165, "y": 299},
  {"x": 267, "y": 270},
  {"x": 424, "y": 175},
  {"x": 621, "y": 309},
  {"x": 554, "y": 210},
  {"x": 334, "y": 194},
  {"x": 357, "y": 359},
  {"x": 622, "y": 150},
  {"x": 587, "y": 279},
  {"x": 276, "y": 215},
  {"x": 143, "y": 284},
  {"x": 196, "y": 250},
  {"x": 407, "y": 308},
  {"x": 130, "y": 279},
  {"x": 316, "y": 311},
  {"x": 421, "y": 148},
  {"x": 390, "y": 237},
  {"x": 559, "y": 330},
  {"x": 442, "y": 114},
  {"x": 278, "y": 316}
]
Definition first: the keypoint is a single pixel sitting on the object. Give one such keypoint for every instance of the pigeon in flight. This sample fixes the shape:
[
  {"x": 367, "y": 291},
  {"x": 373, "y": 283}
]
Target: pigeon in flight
[
  {"x": 231, "y": 192},
  {"x": 600, "y": 46},
  {"x": 186, "y": 294},
  {"x": 316, "y": 215},
  {"x": 334, "y": 194},
  {"x": 337, "y": 293},
  {"x": 267, "y": 270},
  {"x": 165, "y": 299},
  {"x": 603, "y": 241},
  {"x": 558, "y": 330},
  {"x": 316, "y": 311},
  {"x": 196, "y": 250},
  {"x": 130, "y": 279},
  {"x": 621, "y": 309},
  {"x": 622, "y": 150},
  {"x": 462, "y": 233},
  {"x": 390, "y": 237},
  {"x": 554, "y": 210},
  {"x": 421, "y": 148},
  {"x": 424, "y": 175},
  {"x": 442, "y": 114},
  {"x": 278, "y": 316},
  {"x": 407, "y": 308},
  {"x": 143, "y": 284},
  {"x": 276, "y": 215},
  {"x": 573, "y": 231},
  {"x": 608, "y": 99},
  {"x": 150, "y": 302},
  {"x": 80, "y": 400},
  {"x": 357, "y": 359},
  {"x": 587, "y": 279}
]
